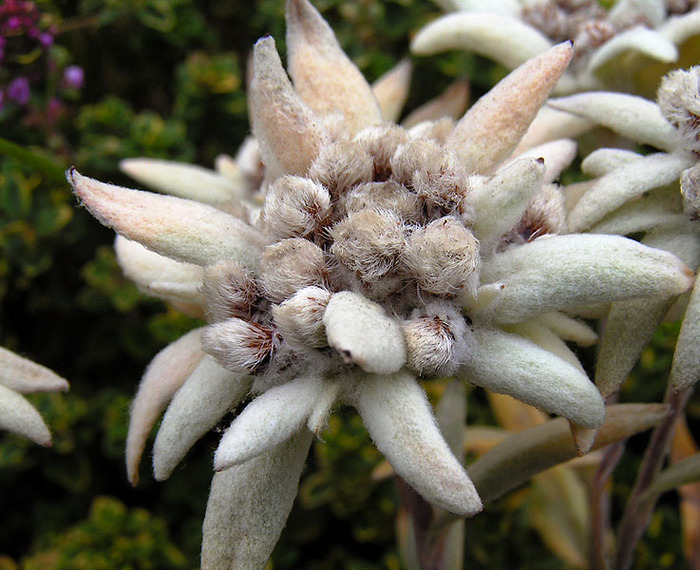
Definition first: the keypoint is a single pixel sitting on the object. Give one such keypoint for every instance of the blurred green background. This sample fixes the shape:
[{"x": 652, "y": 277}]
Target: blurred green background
[{"x": 165, "y": 78}]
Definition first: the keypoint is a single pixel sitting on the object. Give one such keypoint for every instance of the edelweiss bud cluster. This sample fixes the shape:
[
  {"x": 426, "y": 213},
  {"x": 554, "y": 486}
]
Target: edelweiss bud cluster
[{"x": 679, "y": 100}]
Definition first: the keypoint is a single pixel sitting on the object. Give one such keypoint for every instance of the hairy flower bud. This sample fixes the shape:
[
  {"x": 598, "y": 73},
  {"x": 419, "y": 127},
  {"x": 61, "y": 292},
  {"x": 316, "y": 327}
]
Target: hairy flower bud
[
  {"x": 299, "y": 319},
  {"x": 290, "y": 265},
  {"x": 340, "y": 166},
  {"x": 387, "y": 195},
  {"x": 546, "y": 214},
  {"x": 679, "y": 99},
  {"x": 381, "y": 144},
  {"x": 443, "y": 257},
  {"x": 296, "y": 207},
  {"x": 690, "y": 190},
  {"x": 229, "y": 291},
  {"x": 369, "y": 242},
  {"x": 238, "y": 345}
]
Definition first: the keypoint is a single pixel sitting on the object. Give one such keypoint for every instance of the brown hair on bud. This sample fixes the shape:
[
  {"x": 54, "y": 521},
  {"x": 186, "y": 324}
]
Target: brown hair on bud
[
  {"x": 299, "y": 319},
  {"x": 290, "y": 265},
  {"x": 228, "y": 291},
  {"x": 340, "y": 166},
  {"x": 296, "y": 207},
  {"x": 381, "y": 144},
  {"x": 239, "y": 345},
  {"x": 389, "y": 195}
]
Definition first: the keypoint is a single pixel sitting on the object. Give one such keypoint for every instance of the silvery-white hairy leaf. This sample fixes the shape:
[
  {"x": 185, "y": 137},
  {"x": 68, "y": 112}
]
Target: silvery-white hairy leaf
[
  {"x": 23, "y": 375},
  {"x": 18, "y": 416}
]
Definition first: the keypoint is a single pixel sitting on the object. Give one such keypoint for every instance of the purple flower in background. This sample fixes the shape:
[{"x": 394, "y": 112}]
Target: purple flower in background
[
  {"x": 18, "y": 90},
  {"x": 73, "y": 77},
  {"x": 46, "y": 39}
]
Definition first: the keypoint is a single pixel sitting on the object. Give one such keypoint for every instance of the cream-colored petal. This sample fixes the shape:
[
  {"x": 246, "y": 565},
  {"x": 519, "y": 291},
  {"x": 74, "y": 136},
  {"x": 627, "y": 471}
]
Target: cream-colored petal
[
  {"x": 614, "y": 189},
  {"x": 270, "y": 419},
  {"x": 323, "y": 75},
  {"x": 496, "y": 36},
  {"x": 502, "y": 200},
  {"x": 557, "y": 155},
  {"x": 604, "y": 160},
  {"x": 249, "y": 505},
  {"x": 287, "y": 131},
  {"x": 391, "y": 90},
  {"x": 509, "y": 364},
  {"x": 451, "y": 103},
  {"x": 649, "y": 211},
  {"x": 364, "y": 334},
  {"x": 18, "y": 416},
  {"x": 549, "y": 125},
  {"x": 569, "y": 328},
  {"x": 397, "y": 415},
  {"x": 685, "y": 370},
  {"x": 158, "y": 275},
  {"x": 633, "y": 117},
  {"x": 318, "y": 419},
  {"x": 183, "y": 180},
  {"x": 163, "y": 377},
  {"x": 205, "y": 397},
  {"x": 560, "y": 272},
  {"x": 174, "y": 227},
  {"x": 494, "y": 125},
  {"x": 545, "y": 338},
  {"x": 679, "y": 30},
  {"x": 23, "y": 375}
]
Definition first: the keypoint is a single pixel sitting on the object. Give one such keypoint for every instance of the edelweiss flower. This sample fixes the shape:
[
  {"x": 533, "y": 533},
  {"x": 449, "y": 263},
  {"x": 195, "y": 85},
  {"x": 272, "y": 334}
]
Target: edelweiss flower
[
  {"x": 379, "y": 255},
  {"x": 613, "y": 46},
  {"x": 21, "y": 376},
  {"x": 636, "y": 194}
]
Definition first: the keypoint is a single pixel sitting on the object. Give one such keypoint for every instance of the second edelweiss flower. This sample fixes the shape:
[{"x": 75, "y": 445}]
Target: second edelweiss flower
[{"x": 379, "y": 254}]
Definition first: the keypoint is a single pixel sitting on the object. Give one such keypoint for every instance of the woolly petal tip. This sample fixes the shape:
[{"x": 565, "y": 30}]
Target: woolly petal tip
[
  {"x": 174, "y": 227},
  {"x": 18, "y": 416},
  {"x": 397, "y": 415},
  {"x": 391, "y": 90},
  {"x": 493, "y": 127},
  {"x": 25, "y": 376}
]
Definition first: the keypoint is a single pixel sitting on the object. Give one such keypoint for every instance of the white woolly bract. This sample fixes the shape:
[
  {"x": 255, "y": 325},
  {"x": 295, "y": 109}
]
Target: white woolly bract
[
  {"x": 164, "y": 376},
  {"x": 326, "y": 398},
  {"x": 239, "y": 345},
  {"x": 497, "y": 36},
  {"x": 660, "y": 208},
  {"x": 364, "y": 334},
  {"x": 287, "y": 130},
  {"x": 391, "y": 90},
  {"x": 559, "y": 272},
  {"x": 158, "y": 275},
  {"x": 450, "y": 104},
  {"x": 23, "y": 375},
  {"x": 323, "y": 75},
  {"x": 290, "y": 265},
  {"x": 207, "y": 394},
  {"x": 249, "y": 504},
  {"x": 174, "y": 227},
  {"x": 299, "y": 319},
  {"x": 229, "y": 291},
  {"x": 397, "y": 415},
  {"x": 685, "y": 370},
  {"x": 295, "y": 207},
  {"x": 679, "y": 101},
  {"x": 270, "y": 419},
  {"x": 633, "y": 117},
  {"x": 569, "y": 329},
  {"x": 502, "y": 200},
  {"x": 682, "y": 28},
  {"x": 632, "y": 180},
  {"x": 494, "y": 125},
  {"x": 640, "y": 40},
  {"x": 545, "y": 338},
  {"x": 604, "y": 160},
  {"x": 183, "y": 180},
  {"x": 557, "y": 155},
  {"x": 550, "y": 124},
  {"x": 509, "y": 364},
  {"x": 18, "y": 416}
]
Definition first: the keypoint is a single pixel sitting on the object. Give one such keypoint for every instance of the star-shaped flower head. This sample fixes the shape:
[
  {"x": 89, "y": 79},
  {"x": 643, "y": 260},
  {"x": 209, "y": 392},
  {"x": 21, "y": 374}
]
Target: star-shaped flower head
[
  {"x": 635, "y": 194},
  {"x": 380, "y": 255},
  {"x": 21, "y": 376},
  {"x": 622, "y": 48}
]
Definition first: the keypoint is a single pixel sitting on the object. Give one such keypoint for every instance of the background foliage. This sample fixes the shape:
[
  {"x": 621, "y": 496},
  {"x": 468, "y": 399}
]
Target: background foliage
[{"x": 165, "y": 78}]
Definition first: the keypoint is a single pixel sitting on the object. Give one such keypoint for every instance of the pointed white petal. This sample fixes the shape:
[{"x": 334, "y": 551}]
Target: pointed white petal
[
  {"x": 451, "y": 415},
  {"x": 183, "y": 180},
  {"x": 18, "y": 416},
  {"x": 557, "y": 155},
  {"x": 509, "y": 364},
  {"x": 679, "y": 30},
  {"x": 494, "y": 125},
  {"x": 502, "y": 200},
  {"x": 604, "y": 160},
  {"x": 397, "y": 415},
  {"x": 22, "y": 375},
  {"x": 163, "y": 377},
  {"x": 633, "y": 117},
  {"x": 506, "y": 7},
  {"x": 323, "y": 75},
  {"x": 639, "y": 40},
  {"x": 614, "y": 189},
  {"x": 391, "y": 90},
  {"x": 287, "y": 131},
  {"x": 318, "y": 419},
  {"x": 182, "y": 229},
  {"x": 249, "y": 505},
  {"x": 364, "y": 334},
  {"x": 549, "y": 125},
  {"x": 496, "y": 36},
  {"x": 268, "y": 420},
  {"x": 450, "y": 103},
  {"x": 158, "y": 275},
  {"x": 651, "y": 210},
  {"x": 204, "y": 398},
  {"x": 559, "y": 272},
  {"x": 685, "y": 371},
  {"x": 569, "y": 329},
  {"x": 628, "y": 329},
  {"x": 545, "y": 338}
]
